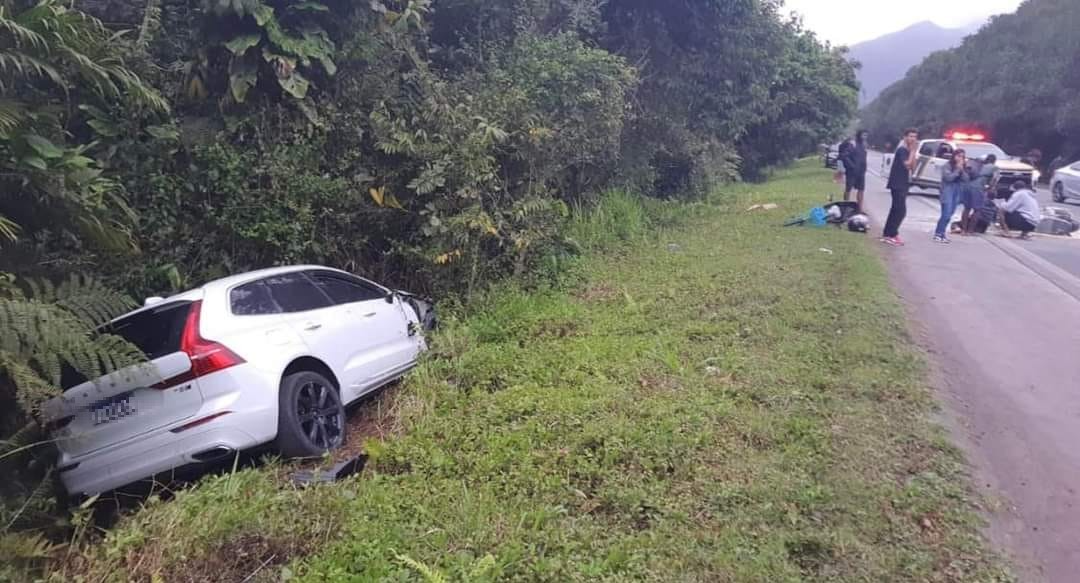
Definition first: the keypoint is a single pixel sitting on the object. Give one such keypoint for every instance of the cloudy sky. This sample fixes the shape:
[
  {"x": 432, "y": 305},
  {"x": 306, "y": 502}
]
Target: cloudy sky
[{"x": 851, "y": 21}]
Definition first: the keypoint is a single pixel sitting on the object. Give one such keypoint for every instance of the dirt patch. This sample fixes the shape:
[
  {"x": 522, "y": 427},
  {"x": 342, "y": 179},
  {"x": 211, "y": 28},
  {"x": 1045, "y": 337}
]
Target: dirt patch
[
  {"x": 599, "y": 292},
  {"x": 654, "y": 383},
  {"x": 247, "y": 557},
  {"x": 556, "y": 329},
  {"x": 374, "y": 417}
]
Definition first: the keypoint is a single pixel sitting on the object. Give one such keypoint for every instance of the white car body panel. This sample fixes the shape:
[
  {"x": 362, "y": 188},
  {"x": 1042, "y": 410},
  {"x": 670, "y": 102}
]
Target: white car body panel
[
  {"x": 119, "y": 429},
  {"x": 1069, "y": 179}
]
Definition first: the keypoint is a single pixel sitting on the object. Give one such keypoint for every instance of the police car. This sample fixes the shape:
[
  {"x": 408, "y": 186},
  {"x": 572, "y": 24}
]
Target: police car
[{"x": 935, "y": 154}]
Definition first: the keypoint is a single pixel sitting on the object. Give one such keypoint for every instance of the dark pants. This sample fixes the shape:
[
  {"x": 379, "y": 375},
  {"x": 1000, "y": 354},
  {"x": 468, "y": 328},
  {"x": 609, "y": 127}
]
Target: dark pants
[
  {"x": 896, "y": 213},
  {"x": 1017, "y": 222}
]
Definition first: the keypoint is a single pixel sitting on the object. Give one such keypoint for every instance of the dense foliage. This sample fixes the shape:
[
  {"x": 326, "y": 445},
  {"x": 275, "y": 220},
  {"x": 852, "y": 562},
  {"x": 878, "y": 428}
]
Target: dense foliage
[
  {"x": 440, "y": 144},
  {"x": 1018, "y": 77},
  {"x": 434, "y": 145}
]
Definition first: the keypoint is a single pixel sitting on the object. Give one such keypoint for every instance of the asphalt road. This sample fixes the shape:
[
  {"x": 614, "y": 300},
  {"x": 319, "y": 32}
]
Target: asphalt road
[
  {"x": 1000, "y": 324},
  {"x": 1064, "y": 252}
]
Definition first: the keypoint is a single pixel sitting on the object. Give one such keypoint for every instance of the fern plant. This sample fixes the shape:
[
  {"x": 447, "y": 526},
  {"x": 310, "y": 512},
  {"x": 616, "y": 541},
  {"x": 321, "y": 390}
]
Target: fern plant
[
  {"x": 52, "y": 59},
  {"x": 49, "y": 326}
]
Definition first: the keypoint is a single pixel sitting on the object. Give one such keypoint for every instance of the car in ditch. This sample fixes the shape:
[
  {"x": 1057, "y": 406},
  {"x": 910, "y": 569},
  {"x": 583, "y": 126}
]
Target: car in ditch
[
  {"x": 1065, "y": 183},
  {"x": 934, "y": 154},
  {"x": 270, "y": 357}
]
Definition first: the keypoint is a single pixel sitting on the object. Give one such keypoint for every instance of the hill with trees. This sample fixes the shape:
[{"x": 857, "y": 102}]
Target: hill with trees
[
  {"x": 1017, "y": 79},
  {"x": 886, "y": 59}
]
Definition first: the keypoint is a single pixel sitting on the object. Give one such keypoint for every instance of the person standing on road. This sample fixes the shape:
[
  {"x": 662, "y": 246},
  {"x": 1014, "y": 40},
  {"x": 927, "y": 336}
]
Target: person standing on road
[
  {"x": 955, "y": 180},
  {"x": 855, "y": 164},
  {"x": 984, "y": 181},
  {"x": 903, "y": 163},
  {"x": 1021, "y": 212}
]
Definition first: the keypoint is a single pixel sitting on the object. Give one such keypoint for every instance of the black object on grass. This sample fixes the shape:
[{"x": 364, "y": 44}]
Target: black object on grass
[{"x": 338, "y": 471}]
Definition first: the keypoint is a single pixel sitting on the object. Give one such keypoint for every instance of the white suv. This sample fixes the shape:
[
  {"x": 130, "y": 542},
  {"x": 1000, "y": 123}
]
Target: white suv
[{"x": 267, "y": 356}]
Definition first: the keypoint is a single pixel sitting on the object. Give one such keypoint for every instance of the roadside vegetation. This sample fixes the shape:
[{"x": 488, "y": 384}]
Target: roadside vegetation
[
  {"x": 703, "y": 396},
  {"x": 147, "y": 147}
]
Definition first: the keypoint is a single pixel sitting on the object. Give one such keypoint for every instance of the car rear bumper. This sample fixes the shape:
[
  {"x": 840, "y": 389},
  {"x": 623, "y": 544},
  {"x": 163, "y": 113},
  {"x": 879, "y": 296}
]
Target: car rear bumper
[{"x": 232, "y": 421}]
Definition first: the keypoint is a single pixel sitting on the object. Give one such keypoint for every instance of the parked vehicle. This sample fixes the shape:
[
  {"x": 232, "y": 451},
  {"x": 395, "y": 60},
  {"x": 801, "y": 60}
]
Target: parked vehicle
[
  {"x": 1065, "y": 183},
  {"x": 832, "y": 156},
  {"x": 267, "y": 357},
  {"x": 934, "y": 154}
]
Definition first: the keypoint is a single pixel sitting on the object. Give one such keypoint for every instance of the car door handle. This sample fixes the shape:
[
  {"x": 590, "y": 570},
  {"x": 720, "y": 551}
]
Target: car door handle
[
  {"x": 312, "y": 326},
  {"x": 368, "y": 315}
]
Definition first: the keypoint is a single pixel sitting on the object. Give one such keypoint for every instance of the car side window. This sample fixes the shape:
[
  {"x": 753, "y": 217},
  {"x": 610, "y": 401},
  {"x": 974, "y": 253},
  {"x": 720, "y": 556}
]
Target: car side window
[
  {"x": 294, "y": 292},
  {"x": 343, "y": 289},
  {"x": 928, "y": 149},
  {"x": 252, "y": 299}
]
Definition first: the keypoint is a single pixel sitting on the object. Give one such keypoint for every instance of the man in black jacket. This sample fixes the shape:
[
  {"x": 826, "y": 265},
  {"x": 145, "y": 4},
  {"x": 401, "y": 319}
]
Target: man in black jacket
[
  {"x": 899, "y": 182},
  {"x": 855, "y": 164}
]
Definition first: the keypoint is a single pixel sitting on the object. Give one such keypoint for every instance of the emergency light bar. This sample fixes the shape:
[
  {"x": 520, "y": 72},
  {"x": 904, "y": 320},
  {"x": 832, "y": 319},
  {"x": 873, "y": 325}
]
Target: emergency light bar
[{"x": 964, "y": 136}]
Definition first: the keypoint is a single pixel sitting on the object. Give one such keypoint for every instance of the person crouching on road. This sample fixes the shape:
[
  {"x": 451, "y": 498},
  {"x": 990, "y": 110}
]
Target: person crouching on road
[
  {"x": 855, "y": 164},
  {"x": 955, "y": 179},
  {"x": 903, "y": 163},
  {"x": 983, "y": 183},
  {"x": 1021, "y": 212}
]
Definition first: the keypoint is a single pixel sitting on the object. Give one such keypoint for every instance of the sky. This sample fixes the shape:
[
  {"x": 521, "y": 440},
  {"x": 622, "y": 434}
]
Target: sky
[{"x": 846, "y": 22}]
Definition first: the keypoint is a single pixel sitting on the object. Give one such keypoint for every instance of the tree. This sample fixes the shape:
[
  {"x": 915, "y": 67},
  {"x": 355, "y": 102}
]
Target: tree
[
  {"x": 57, "y": 62},
  {"x": 1018, "y": 85}
]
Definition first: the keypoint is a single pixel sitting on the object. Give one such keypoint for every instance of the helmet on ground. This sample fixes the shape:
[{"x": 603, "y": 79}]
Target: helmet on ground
[{"x": 859, "y": 223}]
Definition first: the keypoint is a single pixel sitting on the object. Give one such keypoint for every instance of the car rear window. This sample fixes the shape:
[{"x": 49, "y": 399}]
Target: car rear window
[{"x": 156, "y": 331}]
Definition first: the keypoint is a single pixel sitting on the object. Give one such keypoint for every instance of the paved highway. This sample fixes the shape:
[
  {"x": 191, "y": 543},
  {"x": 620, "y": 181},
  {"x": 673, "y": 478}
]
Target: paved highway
[{"x": 1000, "y": 320}]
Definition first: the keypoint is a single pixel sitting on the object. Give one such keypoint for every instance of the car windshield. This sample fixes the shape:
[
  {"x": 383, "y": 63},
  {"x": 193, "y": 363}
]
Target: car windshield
[{"x": 982, "y": 150}]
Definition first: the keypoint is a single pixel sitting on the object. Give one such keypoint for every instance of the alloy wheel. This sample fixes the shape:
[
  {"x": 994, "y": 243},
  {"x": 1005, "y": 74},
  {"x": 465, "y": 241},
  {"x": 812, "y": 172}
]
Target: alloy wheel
[{"x": 321, "y": 416}]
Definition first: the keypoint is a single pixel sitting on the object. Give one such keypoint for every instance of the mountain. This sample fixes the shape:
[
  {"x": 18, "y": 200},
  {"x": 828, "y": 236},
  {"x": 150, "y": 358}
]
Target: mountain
[
  {"x": 1017, "y": 80},
  {"x": 885, "y": 60}
]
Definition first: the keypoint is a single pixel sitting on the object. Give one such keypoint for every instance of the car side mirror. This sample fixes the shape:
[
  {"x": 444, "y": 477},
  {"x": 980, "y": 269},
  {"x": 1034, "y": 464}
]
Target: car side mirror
[{"x": 390, "y": 297}]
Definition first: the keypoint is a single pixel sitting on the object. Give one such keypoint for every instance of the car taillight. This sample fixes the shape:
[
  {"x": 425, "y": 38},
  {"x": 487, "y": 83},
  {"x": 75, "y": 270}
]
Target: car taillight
[{"x": 206, "y": 356}]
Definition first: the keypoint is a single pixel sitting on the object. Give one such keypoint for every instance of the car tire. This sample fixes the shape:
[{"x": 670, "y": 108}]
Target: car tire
[
  {"x": 1059, "y": 192},
  {"x": 311, "y": 416}
]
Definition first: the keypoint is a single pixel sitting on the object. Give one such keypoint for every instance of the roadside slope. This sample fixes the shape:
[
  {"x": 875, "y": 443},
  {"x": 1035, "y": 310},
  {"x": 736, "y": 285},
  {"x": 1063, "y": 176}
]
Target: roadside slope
[{"x": 724, "y": 401}]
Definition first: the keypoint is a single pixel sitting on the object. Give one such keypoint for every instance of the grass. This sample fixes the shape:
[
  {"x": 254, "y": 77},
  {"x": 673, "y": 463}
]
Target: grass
[{"x": 720, "y": 401}]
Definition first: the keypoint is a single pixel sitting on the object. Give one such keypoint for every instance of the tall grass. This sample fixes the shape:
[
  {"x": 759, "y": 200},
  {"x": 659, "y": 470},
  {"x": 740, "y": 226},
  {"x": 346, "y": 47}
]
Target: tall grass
[{"x": 619, "y": 217}]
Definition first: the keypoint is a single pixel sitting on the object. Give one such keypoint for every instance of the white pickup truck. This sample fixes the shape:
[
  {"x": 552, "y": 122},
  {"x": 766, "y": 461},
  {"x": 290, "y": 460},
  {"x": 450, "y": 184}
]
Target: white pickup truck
[{"x": 933, "y": 154}]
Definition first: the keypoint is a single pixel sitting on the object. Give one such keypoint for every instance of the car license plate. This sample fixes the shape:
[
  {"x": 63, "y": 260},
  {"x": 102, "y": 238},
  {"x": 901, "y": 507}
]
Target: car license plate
[{"x": 114, "y": 409}]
